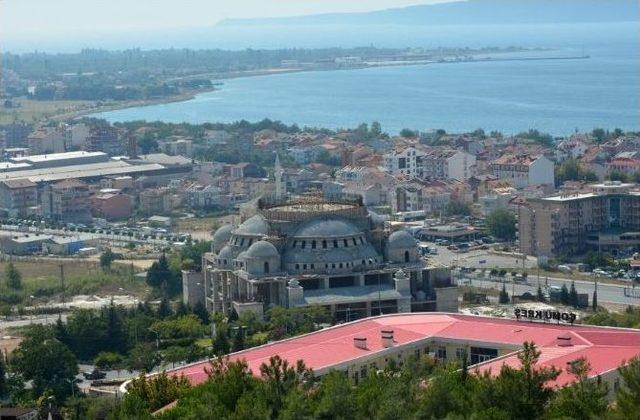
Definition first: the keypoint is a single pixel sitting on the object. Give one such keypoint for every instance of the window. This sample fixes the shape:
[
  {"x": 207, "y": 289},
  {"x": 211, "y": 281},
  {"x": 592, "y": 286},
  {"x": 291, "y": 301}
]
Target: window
[
  {"x": 313, "y": 244},
  {"x": 335, "y": 243},
  {"x": 354, "y": 242},
  {"x": 241, "y": 241},
  {"x": 333, "y": 265},
  {"x": 313, "y": 266},
  {"x": 363, "y": 371},
  {"x": 346, "y": 244},
  {"x": 340, "y": 265},
  {"x": 304, "y": 266},
  {"x": 304, "y": 244},
  {"x": 461, "y": 353},
  {"x": 297, "y": 266},
  {"x": 406, "y": 256},
  {"x": 361, "y": 241},
  {"x": 441, "y": 353},
  {"x": 364, "y": 262},
  {"x": 250, "y": 241},
  {"x": 324, "y": 243},
  {"x": 294, "y": 244}
]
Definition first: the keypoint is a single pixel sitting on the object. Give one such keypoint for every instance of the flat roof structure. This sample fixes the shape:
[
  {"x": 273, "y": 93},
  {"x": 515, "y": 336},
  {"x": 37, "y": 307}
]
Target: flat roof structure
[
  {"x": 333, "y": 348},
  {"x": 91, "y": 170}
]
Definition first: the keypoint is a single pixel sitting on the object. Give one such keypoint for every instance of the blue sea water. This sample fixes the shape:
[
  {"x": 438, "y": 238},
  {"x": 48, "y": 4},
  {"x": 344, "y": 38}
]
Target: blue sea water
[{"x": 555, "y": 96}]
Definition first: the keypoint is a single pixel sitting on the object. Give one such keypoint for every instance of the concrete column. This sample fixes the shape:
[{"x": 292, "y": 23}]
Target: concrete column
[
  {"x": 325, "y": 283},
  {"x": 368, "y": 308},
  {"x": 360, "y": 280}
]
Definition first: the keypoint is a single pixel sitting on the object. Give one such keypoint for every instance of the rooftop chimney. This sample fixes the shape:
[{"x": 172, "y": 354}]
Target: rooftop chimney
[
  {"x": 564, "y": 340},
  {"x": 360, "y": 342},
  {"x": 387, "y": 338}
]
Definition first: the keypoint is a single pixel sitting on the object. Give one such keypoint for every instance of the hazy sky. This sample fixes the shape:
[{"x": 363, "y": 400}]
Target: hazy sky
[{"x": 32, "y": 18}]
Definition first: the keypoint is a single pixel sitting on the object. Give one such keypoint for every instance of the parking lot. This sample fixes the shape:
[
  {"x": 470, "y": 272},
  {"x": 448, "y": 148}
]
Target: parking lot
[{"x": 477, "y": 258}]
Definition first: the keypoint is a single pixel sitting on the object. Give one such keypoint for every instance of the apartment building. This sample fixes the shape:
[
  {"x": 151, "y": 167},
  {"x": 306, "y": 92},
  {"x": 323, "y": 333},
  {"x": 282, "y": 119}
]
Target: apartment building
[
  {"x": 606, "y": 218},
  {"x": 524, "y": 170},
  {"x": 47, "y": 140},
  {"x": 155, "y": 201},
  {"x": 17, "y": 196},
  {"x": 104, "y": 138},
  {"x": 443, "y": 164},
  {"x": 67, "y": 201},
  {"x": 407, "y": 161}
]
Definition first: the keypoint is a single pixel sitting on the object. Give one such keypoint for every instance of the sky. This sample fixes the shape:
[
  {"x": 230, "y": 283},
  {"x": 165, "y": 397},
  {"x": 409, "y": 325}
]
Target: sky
[{"x": 29, "y": 19}]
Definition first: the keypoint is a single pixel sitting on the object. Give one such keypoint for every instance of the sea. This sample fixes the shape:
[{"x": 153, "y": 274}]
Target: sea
[{"x": 554, "y": 96}]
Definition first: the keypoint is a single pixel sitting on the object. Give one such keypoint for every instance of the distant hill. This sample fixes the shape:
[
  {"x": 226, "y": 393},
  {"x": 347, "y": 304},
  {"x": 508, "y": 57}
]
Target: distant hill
[{"x": 472, "y": 12}]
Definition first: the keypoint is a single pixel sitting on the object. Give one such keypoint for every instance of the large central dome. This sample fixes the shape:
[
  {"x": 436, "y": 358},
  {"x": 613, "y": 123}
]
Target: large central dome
[{"x": 327, "y": 229}]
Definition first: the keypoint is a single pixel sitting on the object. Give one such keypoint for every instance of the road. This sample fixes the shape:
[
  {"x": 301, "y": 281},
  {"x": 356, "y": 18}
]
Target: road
[{"x": 607, "y": 293}]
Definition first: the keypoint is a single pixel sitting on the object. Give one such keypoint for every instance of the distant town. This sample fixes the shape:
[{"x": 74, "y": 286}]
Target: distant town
[{"x": 152, "y": 245}]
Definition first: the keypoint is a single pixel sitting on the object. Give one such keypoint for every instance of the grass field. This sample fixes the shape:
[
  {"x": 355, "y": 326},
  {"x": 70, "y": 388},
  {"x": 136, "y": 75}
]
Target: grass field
[
  {"x": 41, "y": 279},
  {"x": 32, "y": 111}
]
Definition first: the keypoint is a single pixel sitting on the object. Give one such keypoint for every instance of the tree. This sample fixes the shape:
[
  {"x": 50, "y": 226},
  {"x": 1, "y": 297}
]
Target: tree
[
  {"x": 407, "y": 133},
  {"x": 599, "y": 134},
  {"x": 458, "y": 208},
  {"x": 238, "y": 340},
  {"x": 108, "y": 360},
  {"x": 13, "y": 277},
  {"x": 335, "y": 399},
  {"x": 164, "y": 309},
  {"x": 570, "y": 170},
  {"x": 584, "y": 399},
  {"x": 155, "y": 392},
  {"x": 540, "y": 295},
  {"x": 573, "y": 295},
  {"x": 106, "y": 259},
  {"x": 201, "y": 312},
  {"x": 116, "y": 339},
  {"x": 501, "y": 223},
  {"x": 160, "y": 276},
  {"x": 594, "y": 301},
  {"x": 504, "y": 296},
  {"x": 4, "y": 388},
  {"x": 628, "y": 396},
  {"x": 220, "y": 343},
  {"x": 564, "y": 295},
  {"x": 46, "y": 362},
  {"x": 143, "y": 357}
]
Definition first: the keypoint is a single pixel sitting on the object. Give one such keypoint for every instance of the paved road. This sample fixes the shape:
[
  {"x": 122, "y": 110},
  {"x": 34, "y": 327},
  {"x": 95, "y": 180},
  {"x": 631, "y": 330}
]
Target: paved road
[{"x": 607, "y": 293}]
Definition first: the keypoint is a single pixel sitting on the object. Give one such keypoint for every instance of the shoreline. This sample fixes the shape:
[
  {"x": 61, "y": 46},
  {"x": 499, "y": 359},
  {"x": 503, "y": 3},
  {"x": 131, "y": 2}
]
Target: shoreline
[{"x": 187, "y": 96}]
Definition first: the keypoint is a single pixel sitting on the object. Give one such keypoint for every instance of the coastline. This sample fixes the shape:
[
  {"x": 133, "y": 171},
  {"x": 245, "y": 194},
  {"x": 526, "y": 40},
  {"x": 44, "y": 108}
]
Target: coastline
[{"x": 187, "y": 96}]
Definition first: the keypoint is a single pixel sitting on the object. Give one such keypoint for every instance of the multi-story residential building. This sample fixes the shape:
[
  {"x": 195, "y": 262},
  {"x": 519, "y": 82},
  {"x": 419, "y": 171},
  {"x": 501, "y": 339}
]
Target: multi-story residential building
[
  {"x": 111, "y": 206},
  {"x": 178, "y": 147},
  {"x": 17, "y": 196},
  {"x": 244, "y": 170},
  {"x": 524, "y": 170},
  {"x": 443, "y": 164},
  {"x": 77, "y": 136},
  {"x": 203, "y": 196},
  {"x": 407, "y": 161},
  {"x": 123, "y": 182},
  {"x": 67, "y": 201},
  {"x": 155, "y": 201},
  {"x": 303, "y": 154},
  {"x": 15, "y": 134},
  {"x": 625, "y": 165},
  {"x": 606, "y": 218},
  {"x": 47, "y": 140},
  {"x": 104, "y": 138},
  {"x": 352, "y": 173}
]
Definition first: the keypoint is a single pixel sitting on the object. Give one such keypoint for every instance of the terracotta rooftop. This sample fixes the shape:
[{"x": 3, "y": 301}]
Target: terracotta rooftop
[{"x": 605, "y": 348}]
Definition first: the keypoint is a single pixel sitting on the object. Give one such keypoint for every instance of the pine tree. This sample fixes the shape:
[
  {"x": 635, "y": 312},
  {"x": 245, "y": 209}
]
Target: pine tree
[
  {"x": 13, "y": 277},
  {"x": 540, "y": 296},
  {"x": 220, "y": 341},
  {"x": 595, "y": 300},
  {"x": 238, "y": 340},
  {"x": 201, "y": 312},
  {"x": 3, "y": 377},
  {"x": 504, "y": 296},
  {"x": 564, "y": 295},
  {"x": 573, "y": 295},
  {"x": 164, "y": 309}
]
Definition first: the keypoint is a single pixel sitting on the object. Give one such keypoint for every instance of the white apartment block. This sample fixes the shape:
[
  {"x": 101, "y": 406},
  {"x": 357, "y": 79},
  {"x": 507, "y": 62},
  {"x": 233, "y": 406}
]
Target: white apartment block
[
  {"x": 444, "y": 164},
  {"x": 405, "y": 162},
  {"x": 524, "y": 170}
]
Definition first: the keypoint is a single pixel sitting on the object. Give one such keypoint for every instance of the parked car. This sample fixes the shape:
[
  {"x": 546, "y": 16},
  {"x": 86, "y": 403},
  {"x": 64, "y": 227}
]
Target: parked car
[{"x": 95, "y": 374}]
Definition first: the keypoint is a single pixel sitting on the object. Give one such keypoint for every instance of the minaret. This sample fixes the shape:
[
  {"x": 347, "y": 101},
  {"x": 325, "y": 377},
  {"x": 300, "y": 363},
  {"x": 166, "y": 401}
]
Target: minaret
[{"x": 278, "y": 172}]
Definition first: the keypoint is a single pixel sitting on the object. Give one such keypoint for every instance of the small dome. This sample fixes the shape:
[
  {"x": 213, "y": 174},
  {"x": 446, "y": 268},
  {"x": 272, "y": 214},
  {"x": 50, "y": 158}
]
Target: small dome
[
  {"x": 253, "y": 226},
  {"x": 401, "y": 239},
  {"x": 261, "y": 249},
  {"x": 222, "y": 235},
  {"x": 327, "y": 228},
  {"x": 226, "y": 253}
]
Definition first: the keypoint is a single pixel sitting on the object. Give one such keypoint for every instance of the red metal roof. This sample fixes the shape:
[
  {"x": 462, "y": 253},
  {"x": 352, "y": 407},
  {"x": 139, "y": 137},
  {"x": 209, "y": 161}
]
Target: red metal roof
[{"x": 605, "y": 348}]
